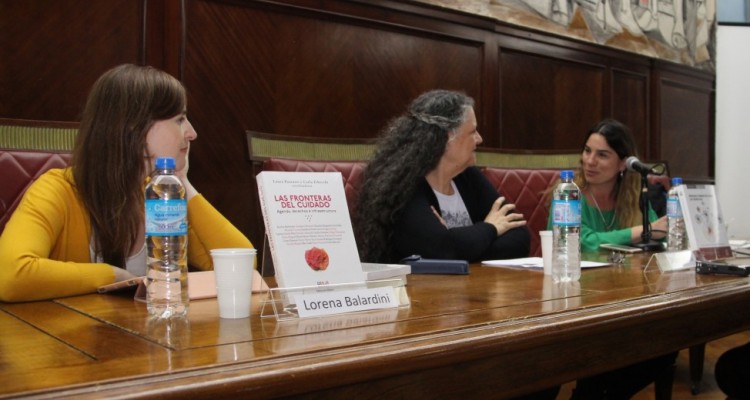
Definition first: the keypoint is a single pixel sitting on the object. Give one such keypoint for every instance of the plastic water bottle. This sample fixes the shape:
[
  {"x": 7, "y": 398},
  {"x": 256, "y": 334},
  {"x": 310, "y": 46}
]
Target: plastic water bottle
[
  {"x": 166, "y": 242},
  {"x": 566, "y": 228},
  {"x": 676, "y": 233}
]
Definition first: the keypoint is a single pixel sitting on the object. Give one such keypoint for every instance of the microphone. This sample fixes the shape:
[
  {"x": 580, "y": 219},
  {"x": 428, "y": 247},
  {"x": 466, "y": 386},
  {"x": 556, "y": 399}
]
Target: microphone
[{"x": 634, "y": 164}]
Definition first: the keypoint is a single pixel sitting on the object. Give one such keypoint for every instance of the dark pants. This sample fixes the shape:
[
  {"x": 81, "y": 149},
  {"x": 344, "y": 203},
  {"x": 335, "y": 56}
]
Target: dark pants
[
  {"x": 625, "y": 382},
  {"x": 733, "y": 372}
]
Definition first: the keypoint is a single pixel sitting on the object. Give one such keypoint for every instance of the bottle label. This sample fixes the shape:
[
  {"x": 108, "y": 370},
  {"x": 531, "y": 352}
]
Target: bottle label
[
  {"x": 673, "y": 208},
  {"x": 166, "y": 217},
  {"x": 566, "y": 212}
]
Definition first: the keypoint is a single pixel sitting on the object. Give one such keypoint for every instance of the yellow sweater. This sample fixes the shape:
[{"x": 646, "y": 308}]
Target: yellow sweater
[{"x": 44, "y": 249}]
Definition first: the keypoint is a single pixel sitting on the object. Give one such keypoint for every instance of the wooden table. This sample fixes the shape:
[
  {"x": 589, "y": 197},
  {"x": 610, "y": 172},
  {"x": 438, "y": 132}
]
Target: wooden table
[{"x": 497, "y": 332}]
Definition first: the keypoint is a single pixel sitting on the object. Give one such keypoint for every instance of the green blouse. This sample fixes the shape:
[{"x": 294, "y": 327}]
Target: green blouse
[{"x": 594, "y": 229}]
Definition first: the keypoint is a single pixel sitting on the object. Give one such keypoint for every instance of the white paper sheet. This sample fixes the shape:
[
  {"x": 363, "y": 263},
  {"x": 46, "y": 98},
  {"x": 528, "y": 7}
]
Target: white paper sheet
[{"x": 534, "y": 263}]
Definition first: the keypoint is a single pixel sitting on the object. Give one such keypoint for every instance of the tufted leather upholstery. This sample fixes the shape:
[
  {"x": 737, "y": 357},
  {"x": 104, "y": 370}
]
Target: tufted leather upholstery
[
  {"x": 524, "y": 187},
  {"x": 19, "y": 168}
]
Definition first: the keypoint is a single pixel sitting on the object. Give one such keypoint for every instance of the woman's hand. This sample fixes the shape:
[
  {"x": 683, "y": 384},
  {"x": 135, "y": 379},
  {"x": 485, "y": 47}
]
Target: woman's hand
[
  {"x": 659, "y": 228},
  {"x": 182, "y": 174},
  {"x": 439, "y": 217},
  {"x": 503, "y": 218}
]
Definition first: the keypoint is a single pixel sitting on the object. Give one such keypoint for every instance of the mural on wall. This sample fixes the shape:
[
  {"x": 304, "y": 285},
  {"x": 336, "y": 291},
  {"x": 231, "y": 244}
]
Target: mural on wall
[{"x": 681, "y": 31}]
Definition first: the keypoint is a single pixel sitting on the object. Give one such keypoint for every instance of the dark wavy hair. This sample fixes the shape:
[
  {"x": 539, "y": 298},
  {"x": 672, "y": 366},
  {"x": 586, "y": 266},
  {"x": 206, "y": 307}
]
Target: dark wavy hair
[
  {"x": 628, "y": 187},
  {"x": 109, "y": 158},
  {"x": 410, "y": 146}
]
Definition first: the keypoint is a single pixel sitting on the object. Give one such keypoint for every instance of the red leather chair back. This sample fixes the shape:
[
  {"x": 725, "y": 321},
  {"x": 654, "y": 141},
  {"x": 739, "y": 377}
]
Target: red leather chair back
[
  {"x": 526, "y": 189},
  {"x": 19, "y": 168}
]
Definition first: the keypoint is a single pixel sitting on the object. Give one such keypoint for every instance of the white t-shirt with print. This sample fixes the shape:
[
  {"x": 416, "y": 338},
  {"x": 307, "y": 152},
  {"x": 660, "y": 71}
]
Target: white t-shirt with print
[{"x": 453, "y": 209}]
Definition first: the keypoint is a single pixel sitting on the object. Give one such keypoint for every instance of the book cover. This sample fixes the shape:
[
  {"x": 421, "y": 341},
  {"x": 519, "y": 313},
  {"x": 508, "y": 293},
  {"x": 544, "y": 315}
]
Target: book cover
[
  {"x": 308, "y": 227},
  {"x": 704, "y": 223}
]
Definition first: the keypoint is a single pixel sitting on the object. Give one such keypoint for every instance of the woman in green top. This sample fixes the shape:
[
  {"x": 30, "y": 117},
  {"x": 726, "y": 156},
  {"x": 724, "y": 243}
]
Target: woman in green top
[
  {"x": 610, "y": 213},
  {"x": 610, "y": 205}
]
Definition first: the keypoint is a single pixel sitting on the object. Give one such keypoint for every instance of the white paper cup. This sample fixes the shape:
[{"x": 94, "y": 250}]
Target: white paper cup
[
  {"x": 234, "y": 281},
  {"x": 546, "y": 239}
]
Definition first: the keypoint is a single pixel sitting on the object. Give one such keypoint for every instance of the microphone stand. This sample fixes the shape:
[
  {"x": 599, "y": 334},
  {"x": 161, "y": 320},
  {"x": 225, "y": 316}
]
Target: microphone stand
[{"x": 646, "y": 243}]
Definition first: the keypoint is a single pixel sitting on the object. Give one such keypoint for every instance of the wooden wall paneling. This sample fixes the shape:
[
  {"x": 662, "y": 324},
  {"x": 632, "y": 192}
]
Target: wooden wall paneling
[
  {"x": 449, "y": 23},
  {"x": 548, "y": 102},
  {"x": 229, "y": 66},
  {"x": 625, "y": 93},
  {"x": 164, "y": 35},
  {"x": 487, "y": 105},
  {"x": 53, "y": 51},
  {"x": 685, "y": 123},
  {"x": 301, "y": 72},
  {"x": 630, "y": 105},
  {"x": 442, "y": 24}
]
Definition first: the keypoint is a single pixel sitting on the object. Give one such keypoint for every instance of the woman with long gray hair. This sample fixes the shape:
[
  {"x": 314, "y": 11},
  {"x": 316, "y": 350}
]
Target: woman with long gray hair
[{"x": 421, "y": 193}]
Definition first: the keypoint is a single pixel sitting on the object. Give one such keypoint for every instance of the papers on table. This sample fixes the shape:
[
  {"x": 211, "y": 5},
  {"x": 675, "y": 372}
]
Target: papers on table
[
  {"x": 740, "y": 246},
  {"x": 534, "y": 263},
  {"x": 374, "y": 271}
]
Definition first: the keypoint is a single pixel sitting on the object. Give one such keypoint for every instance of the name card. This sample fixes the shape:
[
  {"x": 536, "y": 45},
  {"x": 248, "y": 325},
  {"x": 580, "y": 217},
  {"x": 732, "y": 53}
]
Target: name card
[
  {"x": 675, "y": 260},
  {"x": 344, "y": 301}
]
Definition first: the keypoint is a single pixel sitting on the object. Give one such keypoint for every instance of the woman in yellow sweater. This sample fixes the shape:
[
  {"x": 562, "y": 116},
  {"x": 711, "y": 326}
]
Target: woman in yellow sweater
[{"x": 82, "y": 227}]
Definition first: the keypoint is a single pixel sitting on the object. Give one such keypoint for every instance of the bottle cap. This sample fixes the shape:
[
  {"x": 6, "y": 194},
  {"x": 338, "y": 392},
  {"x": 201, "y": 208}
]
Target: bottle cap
[
  {"x": 566, "y": 174},
  {"x": 676, "y": 181},
  {"x": 165, "y": 163}
]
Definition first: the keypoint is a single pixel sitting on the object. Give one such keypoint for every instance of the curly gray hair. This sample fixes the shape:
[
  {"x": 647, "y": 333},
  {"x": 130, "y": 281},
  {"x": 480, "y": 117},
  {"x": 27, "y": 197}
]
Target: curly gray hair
[{"x": 411, "y": 146}]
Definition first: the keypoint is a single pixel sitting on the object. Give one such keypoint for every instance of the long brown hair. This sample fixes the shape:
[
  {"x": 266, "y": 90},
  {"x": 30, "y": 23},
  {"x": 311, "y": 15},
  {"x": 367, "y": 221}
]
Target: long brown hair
[
  {"x": 109, "y": 158},
  {"x": 628, "y": 187}
]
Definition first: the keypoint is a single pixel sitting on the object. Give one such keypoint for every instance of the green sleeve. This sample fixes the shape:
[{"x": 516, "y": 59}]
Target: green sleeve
[{"x": 593, "y": 231}]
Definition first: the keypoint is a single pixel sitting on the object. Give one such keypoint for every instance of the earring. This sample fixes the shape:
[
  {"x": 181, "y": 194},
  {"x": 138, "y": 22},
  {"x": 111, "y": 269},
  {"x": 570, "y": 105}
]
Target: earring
[{"x": 622, "y": 174}]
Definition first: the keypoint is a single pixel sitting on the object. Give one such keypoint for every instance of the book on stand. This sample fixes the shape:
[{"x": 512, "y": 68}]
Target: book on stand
[
  {"x": 308, "y": 228},
  {"x": 373, "y": 271},
  {"x": 704, "y": 223}
]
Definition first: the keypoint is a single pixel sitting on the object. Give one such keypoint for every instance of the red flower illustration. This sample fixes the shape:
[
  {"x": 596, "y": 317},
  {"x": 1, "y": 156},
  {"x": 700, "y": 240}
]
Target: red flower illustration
[{"x": 317, "y": 259}]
